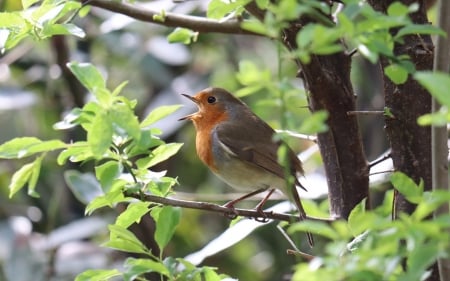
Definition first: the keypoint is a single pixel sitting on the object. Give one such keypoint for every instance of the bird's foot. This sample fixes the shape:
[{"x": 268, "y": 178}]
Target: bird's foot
[
  {"x": 259, "y": 208},
  {"x": 232, "y": 213},
  {"x": 262, "y": 215}
]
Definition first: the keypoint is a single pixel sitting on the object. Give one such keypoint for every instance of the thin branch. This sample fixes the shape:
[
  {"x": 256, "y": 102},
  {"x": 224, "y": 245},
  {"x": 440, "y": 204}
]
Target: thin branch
[
  {"x": 295, "y": 251},
  {"x": 199, "y": 24},
  {"x": 382, "y": 172},
  {"x": 304, "y": 255},
  {"x": 380, "y": 159},
  {"x": 365, "y": 112},
  {"x": 220, "y": 209}
]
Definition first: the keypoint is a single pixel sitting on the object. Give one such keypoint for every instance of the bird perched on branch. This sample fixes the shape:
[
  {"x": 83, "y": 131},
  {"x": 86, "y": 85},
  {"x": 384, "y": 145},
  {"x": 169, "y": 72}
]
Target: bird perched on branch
[{"x": 239, "y": 148}]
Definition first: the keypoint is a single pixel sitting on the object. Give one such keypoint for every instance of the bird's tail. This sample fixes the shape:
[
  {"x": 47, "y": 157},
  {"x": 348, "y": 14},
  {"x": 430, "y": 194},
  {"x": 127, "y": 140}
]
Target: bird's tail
[{"x": 302, "y": 213}]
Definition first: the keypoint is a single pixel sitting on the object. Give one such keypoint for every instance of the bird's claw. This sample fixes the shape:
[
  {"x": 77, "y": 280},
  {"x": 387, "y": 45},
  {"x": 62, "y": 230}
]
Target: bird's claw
[
  {"x": 263, "y": 216},
  {"x": 261, "y": 219},
  {"x": 232, "y": 213}
]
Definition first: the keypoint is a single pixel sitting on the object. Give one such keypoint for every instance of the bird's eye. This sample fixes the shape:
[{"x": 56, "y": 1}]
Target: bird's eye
[{"x": 211, "y": 99}]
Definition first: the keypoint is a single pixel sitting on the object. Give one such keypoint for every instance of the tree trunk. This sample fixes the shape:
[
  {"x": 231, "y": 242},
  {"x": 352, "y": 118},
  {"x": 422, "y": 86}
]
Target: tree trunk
[
  {"x": 410, "y": 143},
  {"x": 327, "y": 79}
]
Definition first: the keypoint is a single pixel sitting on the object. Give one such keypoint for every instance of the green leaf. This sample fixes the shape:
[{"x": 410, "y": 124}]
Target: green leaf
[
  {"x": 354, "y": 219},
  {"x": 166, "y": 219},
  {"x": 328, "y": 49},
  {"x": 17, "y": 147},
  {"x": 27, "y": 3},
  {"x": 11, "y": 20},
  {"x": 440, "y": 118},
  {"x": 437, "y": 83},
  {"x": 406, "y": 186},
  {"x": 124, "y": 240},
  {"x": 83, "y": 186},
  {"x": 420, "y": 259},
  {"x": 396, "y": 73},
  {"x": 136, "y": 267},
  {"x": 20, "y": 178},
  {"x": 84, "y": 11},
  {"x": 420, "y": 29},
  {"x": 98, "y": 275},
  {"x": 161, "y": 17},
  {"x": 70, "y": 120},
  {"x": 125, "y": 121},
  {"x": 388, "y": 112},
  {"x": 119, "y": 88},
  {"x": 397, "y": 9},
  {"x": 88, "y": 75},
  {"x": 255, "y": 26},
  {"x": 182, "y": 35},
  {"x": 251, "y": 74},
  {"x": 249, "y": 90},
  {"x": 28, "y": 173},
  {"x": 148, "y": 140},
  {"x": 45, "y": 146},
  {"x": 108, "y": 200},
  {"x": 27, "y": 146},
  {"x": 316, "y": 123},
  {"x": 133, "y": 214},
  {"x": 35, "y": 172},
  {"x": 100, "y": 134},
  {"x": 158, "y": 155},
  {"x": 431, "y": 201},
  {"x": 368, "y": 53},
  {"x": 62, "y": 29},
  {"x": 107, "y": 173},
  {"x": 162, "y": 186},
  {"x": 356, "y": 243},
  {"x": 314, "y": 227},
  {"x": 217, "y": 9},
  {"x": 14, "y": 29},
  {"x": 78, "y": 152},
  {"x": 158, "y": 114}
]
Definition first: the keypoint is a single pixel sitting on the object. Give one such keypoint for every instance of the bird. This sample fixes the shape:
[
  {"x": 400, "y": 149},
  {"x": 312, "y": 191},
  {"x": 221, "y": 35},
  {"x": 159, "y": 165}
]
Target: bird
[{"x": 239, "y": 148}]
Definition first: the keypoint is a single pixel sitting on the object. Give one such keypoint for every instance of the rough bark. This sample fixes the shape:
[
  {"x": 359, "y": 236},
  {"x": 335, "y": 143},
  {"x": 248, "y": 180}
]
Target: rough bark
[
  {"x": 327, "y": 79},
  {"x": 410, "y": 143}
]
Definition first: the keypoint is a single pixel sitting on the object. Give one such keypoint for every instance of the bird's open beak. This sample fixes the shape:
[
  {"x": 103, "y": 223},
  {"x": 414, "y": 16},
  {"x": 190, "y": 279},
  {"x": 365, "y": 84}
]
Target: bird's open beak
[{"x": 188, "y": 117}]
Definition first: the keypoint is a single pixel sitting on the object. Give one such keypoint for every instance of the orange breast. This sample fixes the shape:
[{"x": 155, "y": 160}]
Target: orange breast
[
  {"x": 204, "y": 124},
  {"x": 203, "y": 144}
]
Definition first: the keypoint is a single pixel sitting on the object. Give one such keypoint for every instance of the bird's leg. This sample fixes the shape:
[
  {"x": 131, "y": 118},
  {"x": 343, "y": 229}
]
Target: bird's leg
[
  {"x": 260, "y": 205},
  {"x": 230, "y": 205}
]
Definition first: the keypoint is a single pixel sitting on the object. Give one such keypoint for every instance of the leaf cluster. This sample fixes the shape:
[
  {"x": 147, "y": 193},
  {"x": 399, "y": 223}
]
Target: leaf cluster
[
  {"x": 123, "y": 150},
  {"x": 39, "y": 22},
  {"x": 380, "y": 248}
]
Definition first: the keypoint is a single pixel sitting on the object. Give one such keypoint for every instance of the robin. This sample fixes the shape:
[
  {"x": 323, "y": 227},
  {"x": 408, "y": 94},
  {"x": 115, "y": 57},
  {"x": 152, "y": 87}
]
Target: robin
[{"x": 238, "y": 147}]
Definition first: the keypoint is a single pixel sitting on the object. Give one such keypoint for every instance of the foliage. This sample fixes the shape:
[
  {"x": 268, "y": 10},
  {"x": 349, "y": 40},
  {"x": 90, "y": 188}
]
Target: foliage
[
  {"x": 437, "y": 84},
  {"x": 39, "y": 23},
  {"x": 380, "y": 246},
  {"x": 123, "y": 150}
]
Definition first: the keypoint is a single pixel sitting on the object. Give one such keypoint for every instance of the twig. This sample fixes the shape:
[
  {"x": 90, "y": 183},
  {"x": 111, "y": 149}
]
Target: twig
[
  {"x": 381, "y": 159},
  {"x": 382, "y": 172},
  {"x": 365, "y": 112},
  {"x": 219, "y": 209},
  {"x": 295, "y": 251},
  {"x": 297, "y": 135},
  {"x": 306, "y": 256},
  {"x": 195, "y": 23}
]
